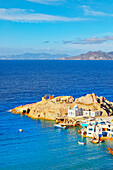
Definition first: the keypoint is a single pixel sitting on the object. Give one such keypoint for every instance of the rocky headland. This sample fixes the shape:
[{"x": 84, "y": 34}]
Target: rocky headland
[
  {"x": 54, "y": 107},
  {"x": 92, "y": 55}
]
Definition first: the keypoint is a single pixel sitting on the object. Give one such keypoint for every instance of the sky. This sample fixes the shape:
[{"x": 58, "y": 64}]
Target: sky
[{"x": 56, "y": 26}]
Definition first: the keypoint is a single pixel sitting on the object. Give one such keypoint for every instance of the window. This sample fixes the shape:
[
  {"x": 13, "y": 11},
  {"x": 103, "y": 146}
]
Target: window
[
  {"x": 104, "y": 134},
  {"x": 90, "y": 129}
]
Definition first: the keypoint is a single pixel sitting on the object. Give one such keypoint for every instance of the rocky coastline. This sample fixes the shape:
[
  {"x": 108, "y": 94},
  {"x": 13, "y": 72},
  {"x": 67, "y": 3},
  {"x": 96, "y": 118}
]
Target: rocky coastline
[{"x": 54, "y": 107}]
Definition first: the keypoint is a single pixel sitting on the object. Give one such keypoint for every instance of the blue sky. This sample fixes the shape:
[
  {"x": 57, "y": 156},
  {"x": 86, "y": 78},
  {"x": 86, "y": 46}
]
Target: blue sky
[{"x": 56, "y": 26}]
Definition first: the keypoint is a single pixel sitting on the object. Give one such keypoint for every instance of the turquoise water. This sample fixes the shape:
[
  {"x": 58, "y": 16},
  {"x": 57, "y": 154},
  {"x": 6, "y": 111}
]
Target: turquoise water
[{"x": 41, "y": 146}]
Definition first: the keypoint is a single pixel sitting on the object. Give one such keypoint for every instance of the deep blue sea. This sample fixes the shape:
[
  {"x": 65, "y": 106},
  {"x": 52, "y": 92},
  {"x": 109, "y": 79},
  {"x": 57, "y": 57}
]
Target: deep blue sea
[{"x": 41, "y": 146}]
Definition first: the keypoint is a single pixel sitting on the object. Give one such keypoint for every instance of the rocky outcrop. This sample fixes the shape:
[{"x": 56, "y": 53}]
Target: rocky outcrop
[
  {"x": 47, "y": 108},
  {"x": 58, "y": 106},
  {"x": 93, "y": 102}
]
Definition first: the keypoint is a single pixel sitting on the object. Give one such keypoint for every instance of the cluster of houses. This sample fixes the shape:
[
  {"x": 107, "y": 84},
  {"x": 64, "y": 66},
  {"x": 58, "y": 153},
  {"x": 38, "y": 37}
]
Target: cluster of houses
[
  {"x": 76, "y": 111},
  {"x": 97, "y": 128},
  {"x": 92, "y": 126}
]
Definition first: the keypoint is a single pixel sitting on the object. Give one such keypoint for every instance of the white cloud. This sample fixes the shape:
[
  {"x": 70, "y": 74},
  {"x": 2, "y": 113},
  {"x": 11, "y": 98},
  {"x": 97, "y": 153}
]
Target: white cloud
[
  {"x": 89, "y": 11},
  {"x": 80, "y": 48},
  {"x": 23, "y": 15},
  {"x": 92, "y": 40},
  {"x": 46, "y": 2}
]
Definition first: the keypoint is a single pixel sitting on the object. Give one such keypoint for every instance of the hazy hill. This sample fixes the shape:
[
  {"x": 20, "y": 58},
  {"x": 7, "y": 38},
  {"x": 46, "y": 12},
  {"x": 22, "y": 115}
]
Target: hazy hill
[
  {"x": 33, "y": 56},
  {"x": 96, "y": 55}
]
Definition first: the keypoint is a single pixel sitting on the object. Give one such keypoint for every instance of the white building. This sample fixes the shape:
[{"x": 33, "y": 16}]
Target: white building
[
  {"x": 75, "y": 111},
  {"x": 88, "y": 113},
  {"x": 94, "y": 131},
  {"x": 90, "y": 130},
  {"x": 97, "y": 130},
  {"x": 110, "y": 134}
]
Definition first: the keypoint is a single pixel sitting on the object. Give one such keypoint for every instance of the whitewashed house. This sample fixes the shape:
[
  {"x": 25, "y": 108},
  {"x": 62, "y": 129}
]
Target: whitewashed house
[
  {"x": 110, "y": 134},
  {"x": 94, "y": 130},
  {"x": 75, "y": 111},
  {"x": 97, "y": 130},
  {"x": 90, "y": 130},
  {"x": 88, "y": 113}
]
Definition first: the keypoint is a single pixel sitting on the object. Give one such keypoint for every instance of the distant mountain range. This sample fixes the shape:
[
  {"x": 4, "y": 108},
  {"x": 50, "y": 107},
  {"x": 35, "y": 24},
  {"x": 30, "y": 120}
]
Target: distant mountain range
[
  {"x": 96, "y": 55},
  {"x": 33, "y": 56}
]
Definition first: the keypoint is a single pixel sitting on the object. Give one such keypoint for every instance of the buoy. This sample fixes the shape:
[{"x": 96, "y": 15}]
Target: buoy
[{"x": 20, "y": 130}]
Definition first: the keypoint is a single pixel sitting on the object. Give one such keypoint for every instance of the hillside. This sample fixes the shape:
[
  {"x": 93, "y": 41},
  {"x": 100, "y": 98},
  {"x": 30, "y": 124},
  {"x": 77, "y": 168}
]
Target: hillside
[
  {"x": 96, "y": 55},
  {"x": 33, "y": 56}
]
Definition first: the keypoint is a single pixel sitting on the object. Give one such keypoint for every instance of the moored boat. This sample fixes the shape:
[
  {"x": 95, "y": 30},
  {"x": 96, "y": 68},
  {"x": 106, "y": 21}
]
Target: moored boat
[
  {"x": 101, "y": 141},
  {"x": 79, "y": 131},
  {"x": 20, "y": 130},
  {"x": 95, "y": 141},
  {"x": 81, "y": 143},
  {"x": 110, "y": 150},
  {"x": 58, "y": 125}
]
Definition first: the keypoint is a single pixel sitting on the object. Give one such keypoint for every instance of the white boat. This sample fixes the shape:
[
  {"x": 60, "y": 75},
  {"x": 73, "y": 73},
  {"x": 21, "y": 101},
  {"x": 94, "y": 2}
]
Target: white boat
[
  {"x": 58, "y": 125},
  {"x": 20, "y": 130},
  {"x": 81, "y": 143}
]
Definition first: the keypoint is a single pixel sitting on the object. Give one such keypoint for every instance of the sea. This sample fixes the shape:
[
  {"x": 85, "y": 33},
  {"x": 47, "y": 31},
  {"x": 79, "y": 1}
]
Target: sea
[{"x": 41, "y": 146}]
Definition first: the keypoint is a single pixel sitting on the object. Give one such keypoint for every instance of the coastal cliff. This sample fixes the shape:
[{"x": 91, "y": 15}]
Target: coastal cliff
[{"x": 53, "y": 107}]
